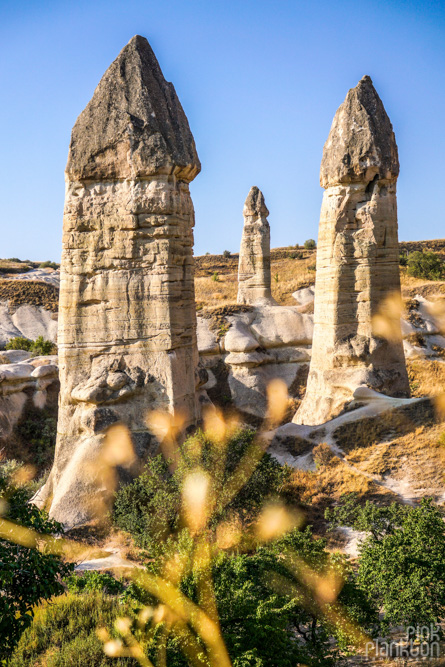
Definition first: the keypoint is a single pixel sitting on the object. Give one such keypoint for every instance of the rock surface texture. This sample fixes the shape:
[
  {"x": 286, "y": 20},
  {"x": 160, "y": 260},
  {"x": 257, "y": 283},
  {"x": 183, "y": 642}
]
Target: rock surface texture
[
  {"x": 357, "y": 260},
  {"x": 127, "y": 320},
  {"x": 254, "y": 256},
  {"x": 25, "y": 381}
]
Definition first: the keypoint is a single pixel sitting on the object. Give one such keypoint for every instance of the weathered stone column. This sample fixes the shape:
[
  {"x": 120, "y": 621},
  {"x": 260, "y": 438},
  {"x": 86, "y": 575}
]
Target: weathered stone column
[
  {"x": 357, "y": 260},
  {"x": 254, "y": 256},
  {"x": 127, "y": 323}
]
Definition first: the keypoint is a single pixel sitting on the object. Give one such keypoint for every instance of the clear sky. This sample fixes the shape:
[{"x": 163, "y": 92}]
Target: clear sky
[{"x": 259, "y": 80}]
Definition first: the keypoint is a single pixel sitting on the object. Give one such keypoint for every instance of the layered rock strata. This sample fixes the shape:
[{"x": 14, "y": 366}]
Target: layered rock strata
[
  {"x": 357, "y": 260},
  {"x": 254, "y": 256},
  {"x": 127, "y": 320},
  {"x": 25, "y": 382}
]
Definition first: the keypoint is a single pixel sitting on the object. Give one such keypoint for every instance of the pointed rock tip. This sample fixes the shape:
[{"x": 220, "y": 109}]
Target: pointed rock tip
[
  {"x": 134, "y": 125},
  {"x": 366, "y": 79},
  {"x": 361, "y": 143},
  {"x": 255, "y": 204}
]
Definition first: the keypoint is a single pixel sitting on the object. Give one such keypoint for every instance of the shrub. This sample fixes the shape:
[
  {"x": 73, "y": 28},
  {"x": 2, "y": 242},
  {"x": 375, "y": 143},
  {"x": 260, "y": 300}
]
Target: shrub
[
  {"x": 148, "y": 508},
  {"x": 63, "y": 633},
  {"x": 215, "y": 277},
  {"x": 93, "y": 581},
  {"x": 402, "y": 561},
  {"x": 38, "y": 347},
  {"x": 48, "y": 265},
  {"x": 27, "y": 575},
  {"x": 263, "y": 622},
  {"x": 43, "y": 347},
  {"x": 310, "y": 244},
  {"x": 227, "y": 253},
  {"x": 426, "y": 265},
  {"x": 403, "y": 260},
  {"x": 19, "y": 343}
]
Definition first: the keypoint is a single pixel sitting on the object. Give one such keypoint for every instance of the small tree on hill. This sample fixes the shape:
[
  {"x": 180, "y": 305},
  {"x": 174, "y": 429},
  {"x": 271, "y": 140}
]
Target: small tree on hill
[
  {"x": 426, "y": 265},
  {"x": 310, "y": 244}
]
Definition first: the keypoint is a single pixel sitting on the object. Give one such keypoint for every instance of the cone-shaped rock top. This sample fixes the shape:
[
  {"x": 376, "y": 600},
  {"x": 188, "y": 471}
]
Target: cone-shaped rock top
[
  {"x": 361, "y": 143},
  {"x": 134, "y": 125},
  {"x": 255, "y": 204}
]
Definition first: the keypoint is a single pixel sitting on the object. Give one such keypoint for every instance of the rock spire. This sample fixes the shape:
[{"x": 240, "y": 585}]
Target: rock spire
[
  {"x": 357, "y": 260},
  {"x": 254, "y": 257},
  {"x": 127, "y": 320}
]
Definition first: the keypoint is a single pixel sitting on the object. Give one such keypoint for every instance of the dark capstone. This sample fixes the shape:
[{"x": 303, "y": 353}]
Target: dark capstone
[
  {"x": 361, "y": 143},
  {"x": 134, "y": 125}
]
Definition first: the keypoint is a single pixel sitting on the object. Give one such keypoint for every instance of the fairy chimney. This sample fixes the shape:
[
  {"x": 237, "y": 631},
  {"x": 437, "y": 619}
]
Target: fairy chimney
[
  {"x": 357, "y": 261},
  {"x": 127, "y": 327},
  {"x": 254, "y": 256}
]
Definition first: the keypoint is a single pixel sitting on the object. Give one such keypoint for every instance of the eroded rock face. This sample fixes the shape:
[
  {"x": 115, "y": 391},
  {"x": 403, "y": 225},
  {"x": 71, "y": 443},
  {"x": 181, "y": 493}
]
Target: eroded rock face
[
  {"x": 24, "y": 381},
  {"x": 357, "y": 260},
  {"x": 254, "y": 257},
  {"x": 261, "y": 344},
  {"x": 127, "y": 321}
]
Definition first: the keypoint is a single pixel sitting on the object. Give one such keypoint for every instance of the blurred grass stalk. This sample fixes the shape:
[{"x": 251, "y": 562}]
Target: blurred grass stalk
[{"x": 196, "y": 624}]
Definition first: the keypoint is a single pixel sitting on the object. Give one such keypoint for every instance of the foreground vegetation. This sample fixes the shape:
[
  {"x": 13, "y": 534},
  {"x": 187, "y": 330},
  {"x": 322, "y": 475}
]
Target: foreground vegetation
[{"x": 239, "y": 552}]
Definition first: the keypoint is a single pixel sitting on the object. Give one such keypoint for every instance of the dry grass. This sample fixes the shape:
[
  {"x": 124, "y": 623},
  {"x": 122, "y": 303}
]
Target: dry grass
[
  {"x": 291, "y": 269},
  {"x": 216, "y": 281},
  {"x": 426, "y": 377},
  {"x": 414, "y": 461},
  {"x": 322, "y": 488}
]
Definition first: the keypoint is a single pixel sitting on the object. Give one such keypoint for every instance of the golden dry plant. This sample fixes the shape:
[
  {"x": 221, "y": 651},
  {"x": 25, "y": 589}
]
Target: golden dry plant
[{"x": 195, "y": 624}]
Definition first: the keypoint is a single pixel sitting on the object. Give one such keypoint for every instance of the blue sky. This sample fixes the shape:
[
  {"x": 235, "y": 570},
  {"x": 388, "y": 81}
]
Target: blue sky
[{"x": 260, "y": 82}]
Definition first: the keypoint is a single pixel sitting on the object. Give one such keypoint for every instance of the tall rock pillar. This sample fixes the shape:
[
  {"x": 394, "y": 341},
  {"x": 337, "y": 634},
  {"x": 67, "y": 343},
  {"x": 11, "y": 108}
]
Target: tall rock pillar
[
  {"x": 127, "y": 327},
  {"x": 254, "y": 256},
  {"x": 357, "y": 260}
]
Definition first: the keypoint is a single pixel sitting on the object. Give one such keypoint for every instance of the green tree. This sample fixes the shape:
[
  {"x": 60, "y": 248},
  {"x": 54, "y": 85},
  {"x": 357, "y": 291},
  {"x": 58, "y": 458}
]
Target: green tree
[
  {"x": 149, "y": 507},
  {"x": 27, "y": 575},
  {"x": 310, "y": 244},
  {"x": 426, "y": 265},
  {"x": 401, "y": 565}
]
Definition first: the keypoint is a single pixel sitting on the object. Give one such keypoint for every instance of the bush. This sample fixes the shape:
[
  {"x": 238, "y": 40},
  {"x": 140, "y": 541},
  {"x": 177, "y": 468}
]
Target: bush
[
  {"x": 148, "y": 508},
  {"x": 19, "y": 343},
  {"x": 63, "y": 633},
  {"x": 93, "y": 581},
  {"x": 426, "y": 265},
  {"x": 27, "y": 575},
  {"x": 36, "y": 348},
  {"x": 310, "y": 244},
  {"x": 215, "y": 277},
  {"x": 227, "y": 253},
  {"x": 48, "y": 265},
  {"x": 402, "y": 561},
  {"x": 264, "y": 624},
  {"x": 403, "y": 260}
]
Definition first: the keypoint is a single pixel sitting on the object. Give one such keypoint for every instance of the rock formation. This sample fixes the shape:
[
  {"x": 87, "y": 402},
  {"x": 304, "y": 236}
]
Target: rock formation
[
  {"x": 25, "y": 382},
  {"x": 254, "y": 256},
  {"x": 127, "y": 321},
  {"x": 357, "y": 260}
]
